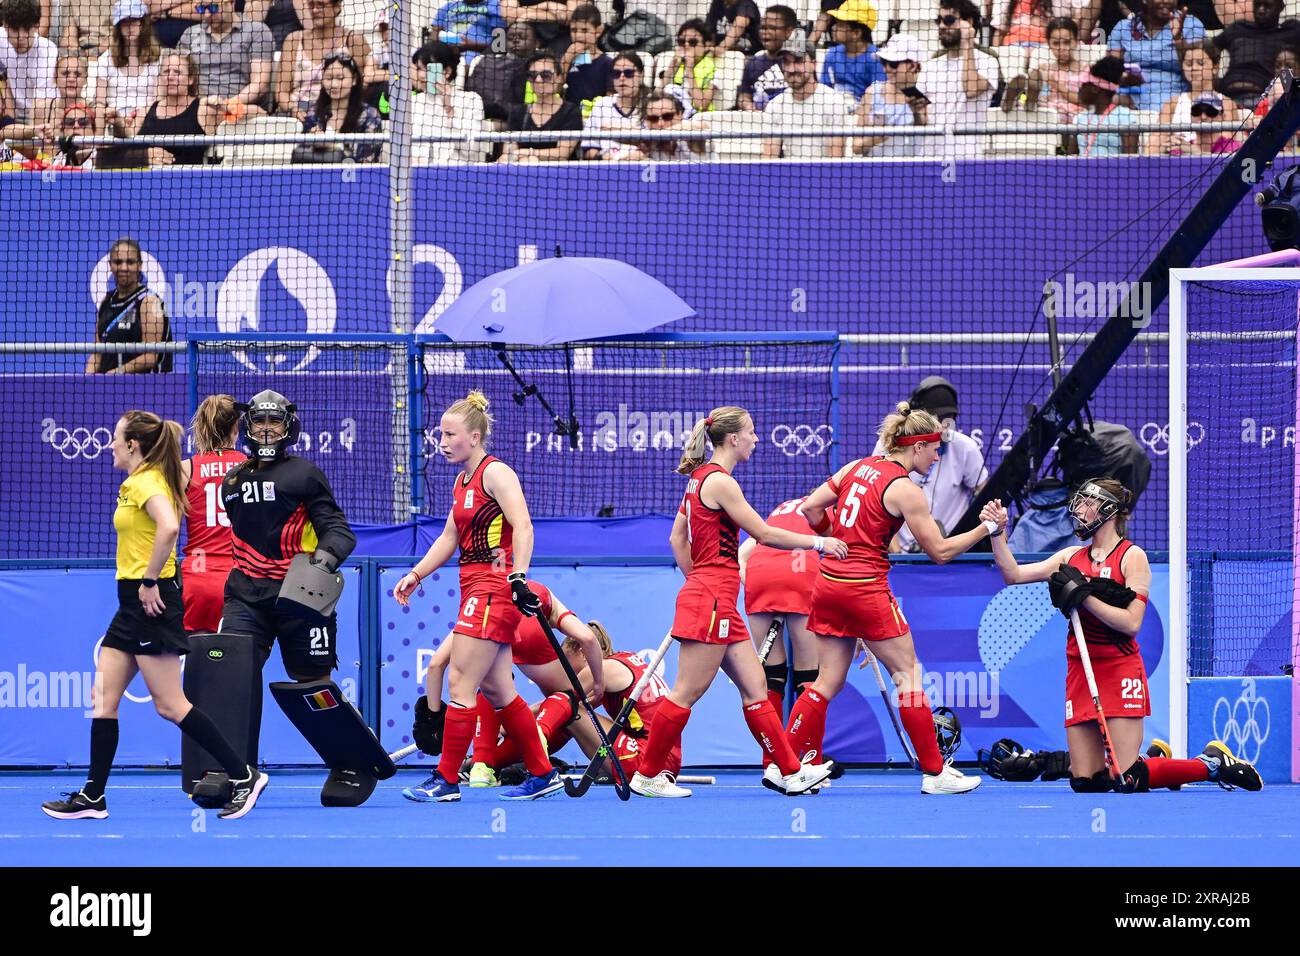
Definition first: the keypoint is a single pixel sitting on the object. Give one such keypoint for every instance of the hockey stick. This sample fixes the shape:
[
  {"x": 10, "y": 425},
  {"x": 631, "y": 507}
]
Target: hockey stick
[
  {"x": 621, "y": 785},
  {"x": 405, "y": 752},
  {"x": 685, "y": 779},
  {"x": 598, "y": 759},
  {"x": 884, "y": 694},
  {"x": 1108, "y": 749},
  {"x": 773, "y": 632}
]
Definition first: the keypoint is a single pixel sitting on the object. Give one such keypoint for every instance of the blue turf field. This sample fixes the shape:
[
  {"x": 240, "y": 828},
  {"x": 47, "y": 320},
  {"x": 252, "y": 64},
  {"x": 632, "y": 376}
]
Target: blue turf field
[{"x": 868, "y": 818}]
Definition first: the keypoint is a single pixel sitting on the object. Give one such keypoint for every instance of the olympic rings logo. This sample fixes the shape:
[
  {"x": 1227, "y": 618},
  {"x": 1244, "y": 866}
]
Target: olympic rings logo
[
  {"x": 802, "y": 440},
  {"x": 1156, "y": 438},
  {"x": 1244, "y": 724},
  {"x": 88, "y": 443}
]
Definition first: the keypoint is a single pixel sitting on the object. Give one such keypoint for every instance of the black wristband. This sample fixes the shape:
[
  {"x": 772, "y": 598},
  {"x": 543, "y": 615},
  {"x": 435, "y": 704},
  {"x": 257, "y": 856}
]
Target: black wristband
[{"x": 149, "y": 582}]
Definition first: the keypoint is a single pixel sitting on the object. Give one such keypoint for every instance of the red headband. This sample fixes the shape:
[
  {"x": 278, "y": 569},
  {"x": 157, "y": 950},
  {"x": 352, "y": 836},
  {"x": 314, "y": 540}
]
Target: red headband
[{"x": 915, "y": 439}]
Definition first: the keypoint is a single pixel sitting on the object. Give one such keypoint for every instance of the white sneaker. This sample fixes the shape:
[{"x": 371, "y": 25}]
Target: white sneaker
[
  {"x": 807, "y": 777},
  {"x": 773, "y": 779},
  {"x": 949, "y": 780},
  {"x": 481, "y": 775},
  {"x": 662, "y": 785}
]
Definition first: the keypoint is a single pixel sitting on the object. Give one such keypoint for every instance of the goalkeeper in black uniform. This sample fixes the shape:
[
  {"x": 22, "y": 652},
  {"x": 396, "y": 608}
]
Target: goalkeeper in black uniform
[{"x": 280, "y": 506}]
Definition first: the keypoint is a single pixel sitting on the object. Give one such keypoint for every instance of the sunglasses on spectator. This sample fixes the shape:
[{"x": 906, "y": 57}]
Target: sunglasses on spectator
[
  {"x": 1205, "y": 109},
  {"x": 660, "y": 117},
  {"x": 344, "y": 58},
  {"x": 202, "y": 8},
  {"x": 626, "y": 73},
  {"x": 694, "y": 41},
  {"x": 81, "y": 122},
  {"x": 545, "y": 76},
  {"x": 946, "y": 21}
]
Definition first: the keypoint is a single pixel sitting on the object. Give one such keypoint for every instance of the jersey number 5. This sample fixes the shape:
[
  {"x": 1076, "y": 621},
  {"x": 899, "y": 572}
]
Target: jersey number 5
[{"x": 852, "y": 505}]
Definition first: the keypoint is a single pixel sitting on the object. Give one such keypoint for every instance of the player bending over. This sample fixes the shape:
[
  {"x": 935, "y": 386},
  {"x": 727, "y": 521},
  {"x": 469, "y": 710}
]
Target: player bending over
[
  {"x": 872, "y": 498},
  {"x": 533, "y": 655},
  {"x": 1107, "y": 581},
  {"x": 707, "y": 623},
  {"x": 778, "y": 592},
  {"x": 146, "y": 635},
  {"x": 489, "y": 522}
]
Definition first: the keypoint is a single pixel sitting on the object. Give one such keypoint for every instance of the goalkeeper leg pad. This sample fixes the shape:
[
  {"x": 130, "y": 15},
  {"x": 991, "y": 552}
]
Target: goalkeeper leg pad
[{"x": 338, "y": 734}]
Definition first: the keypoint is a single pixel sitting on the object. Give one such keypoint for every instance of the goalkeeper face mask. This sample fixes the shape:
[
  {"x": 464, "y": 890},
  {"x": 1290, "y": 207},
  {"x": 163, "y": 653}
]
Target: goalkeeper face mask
[
  {"x": 1092, "y": 500},
  {"x": 269, "y": 425}
]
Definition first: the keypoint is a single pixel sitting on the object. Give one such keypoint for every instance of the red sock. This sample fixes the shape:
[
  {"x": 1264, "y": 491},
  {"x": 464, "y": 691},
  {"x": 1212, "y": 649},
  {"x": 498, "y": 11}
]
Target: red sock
[
  {"x": 918, "y": 721},
  {"x": 520, "y": 725},
  {"x": 487, "y": 732},
  {"x": 552, "y": 716},
  {"x": 808, "y": 724},
  {"x": 766, "y": 727},
  {"x": 778, "y": 701},
  {"x": 665, "y": 734},
  {"x": 1167, "y": 772},
  {"x": 457, "y": 735}
]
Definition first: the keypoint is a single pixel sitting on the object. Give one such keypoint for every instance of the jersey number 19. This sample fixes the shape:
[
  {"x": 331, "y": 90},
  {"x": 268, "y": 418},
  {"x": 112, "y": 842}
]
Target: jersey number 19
[{"x": 216, "y": 508}]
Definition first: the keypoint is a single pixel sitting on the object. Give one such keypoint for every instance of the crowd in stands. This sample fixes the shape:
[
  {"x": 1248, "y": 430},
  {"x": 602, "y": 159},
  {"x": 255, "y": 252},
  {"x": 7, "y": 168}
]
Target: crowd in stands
[{"x": 74, "y": 68}]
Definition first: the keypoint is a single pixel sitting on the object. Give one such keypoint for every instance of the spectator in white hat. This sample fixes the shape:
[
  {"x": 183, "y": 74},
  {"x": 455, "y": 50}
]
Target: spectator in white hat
[
  {"x": 127, "y": 76},
  {"x": 896, "y": 102}
]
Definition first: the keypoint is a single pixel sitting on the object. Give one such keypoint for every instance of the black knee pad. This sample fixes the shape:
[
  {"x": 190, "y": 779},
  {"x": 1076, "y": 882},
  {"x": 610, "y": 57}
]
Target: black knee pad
[
  {"x": 803, "y": 678},
  {"x": 1099, "y": 782},
  {"x": 776, "y": 677}
]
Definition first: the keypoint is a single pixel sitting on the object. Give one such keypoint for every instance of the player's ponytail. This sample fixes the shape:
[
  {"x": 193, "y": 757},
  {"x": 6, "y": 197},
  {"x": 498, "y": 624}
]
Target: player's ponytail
[
  {"x": 160, "y": 446},
  {"x": 720, "y": 423},
  {"x": 906, "y": 421},
  {"x": 473, "y": 410},
  {"x": 214, "y": 420}
]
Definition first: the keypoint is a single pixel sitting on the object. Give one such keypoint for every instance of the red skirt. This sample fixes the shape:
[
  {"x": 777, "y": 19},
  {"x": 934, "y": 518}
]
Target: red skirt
[
  {"x": 1121, "y": 684},
  {"x": 865, "y": 609},
  {"x": 707, "y": 612}
]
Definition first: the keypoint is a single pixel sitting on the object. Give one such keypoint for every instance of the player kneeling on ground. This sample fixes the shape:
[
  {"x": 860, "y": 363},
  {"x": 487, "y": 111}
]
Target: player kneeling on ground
[
  {"x": 1106, "y": 581},
  {"x": 533, "y": 655}
]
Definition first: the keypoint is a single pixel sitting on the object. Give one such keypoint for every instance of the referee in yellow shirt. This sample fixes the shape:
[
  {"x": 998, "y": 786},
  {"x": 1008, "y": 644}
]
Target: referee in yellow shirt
[{"x": 147, "y": 635}]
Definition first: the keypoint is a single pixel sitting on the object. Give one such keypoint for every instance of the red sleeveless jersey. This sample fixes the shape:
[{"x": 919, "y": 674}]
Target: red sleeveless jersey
[
  {"x": 713, "y": 536},
  {"x": 651, "y": 697},
  {"x": 862, "y": 521},
  {"x": 207, "y": 527},
  {"x": 1103, "y": 640},
  {"x": 484, "y": 532}
]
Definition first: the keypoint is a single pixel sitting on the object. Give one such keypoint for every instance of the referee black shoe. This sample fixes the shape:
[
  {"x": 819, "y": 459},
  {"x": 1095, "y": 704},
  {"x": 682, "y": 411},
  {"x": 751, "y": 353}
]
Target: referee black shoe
[
  {"x": 76, "y": 806},
  {"x": 246, "y": 792},
  {"x": 1231, "y": 773}
]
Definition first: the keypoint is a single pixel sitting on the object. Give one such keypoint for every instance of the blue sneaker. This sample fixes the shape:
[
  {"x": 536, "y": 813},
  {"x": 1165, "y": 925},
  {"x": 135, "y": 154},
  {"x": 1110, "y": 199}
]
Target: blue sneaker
[
  {"x": 534, "y": 788},
  {"x": 433, "y": 790}
]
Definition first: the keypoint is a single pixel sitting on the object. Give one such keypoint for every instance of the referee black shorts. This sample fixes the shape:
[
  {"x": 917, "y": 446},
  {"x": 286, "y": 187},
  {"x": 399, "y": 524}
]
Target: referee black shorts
[{"x": 135, "y": 632}]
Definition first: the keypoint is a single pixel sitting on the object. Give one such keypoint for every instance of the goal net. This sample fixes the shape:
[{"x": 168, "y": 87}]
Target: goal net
[{"x": 1234, "y": 525}]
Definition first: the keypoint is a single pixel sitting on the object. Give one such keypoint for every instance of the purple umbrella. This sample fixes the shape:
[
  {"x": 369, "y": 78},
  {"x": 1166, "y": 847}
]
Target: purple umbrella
[{"x": 565, "y": 299}]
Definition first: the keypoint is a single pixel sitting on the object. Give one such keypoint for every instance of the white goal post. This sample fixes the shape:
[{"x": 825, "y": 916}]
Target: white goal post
[{"x": 1179, "y": 636}]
